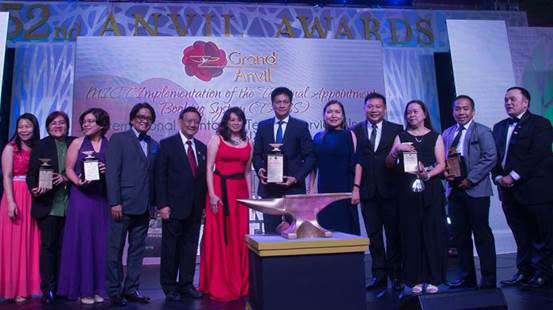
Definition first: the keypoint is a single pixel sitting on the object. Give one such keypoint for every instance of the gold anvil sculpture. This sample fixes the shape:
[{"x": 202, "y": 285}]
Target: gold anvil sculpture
[{"x": 303, "y": 209}]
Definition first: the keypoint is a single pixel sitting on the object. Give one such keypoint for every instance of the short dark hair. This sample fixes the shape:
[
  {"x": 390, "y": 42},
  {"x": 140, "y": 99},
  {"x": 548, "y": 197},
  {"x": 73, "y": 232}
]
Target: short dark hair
[
  {"x": 189, "y": 109},
  {"x": 374, "y": 95},
  {"x": 102, "y": 118},
  {"x": 142, "y": 105},
  {"x": 464, "y": 97},
  {"x": 427, "y": 121},
  {"x": 36, "y": 131},
  {"x": 525, "y": 93},
  {"x": 223, "y": 129},
  {"x": 281, "y": 90},
  {"x": 52, "y": 116}
]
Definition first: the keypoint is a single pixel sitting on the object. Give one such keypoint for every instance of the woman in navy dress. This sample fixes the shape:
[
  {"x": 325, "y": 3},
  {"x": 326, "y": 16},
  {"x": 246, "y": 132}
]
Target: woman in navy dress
[
  {"x": 334, "y": 148},
  {"x": 83, "y": 254}
]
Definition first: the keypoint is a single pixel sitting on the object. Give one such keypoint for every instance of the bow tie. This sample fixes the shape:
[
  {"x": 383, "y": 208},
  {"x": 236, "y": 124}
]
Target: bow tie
[
  {"x": 513, "y": 120},
  {"x": 142, "y": 136}
]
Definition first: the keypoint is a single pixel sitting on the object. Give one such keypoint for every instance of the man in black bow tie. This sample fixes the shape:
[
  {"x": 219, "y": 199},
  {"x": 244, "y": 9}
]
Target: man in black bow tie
[
  {"x": 130, "y": 159},
  {"x": 523, "y": 175}
]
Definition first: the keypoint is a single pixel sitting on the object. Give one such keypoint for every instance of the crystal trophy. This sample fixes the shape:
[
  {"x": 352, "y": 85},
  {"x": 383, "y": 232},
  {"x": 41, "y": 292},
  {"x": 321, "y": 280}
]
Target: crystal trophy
[
  {"x": 91, "y": 168},
  {"x": 275, "y": 164},
  {"x": 45, "y": 174}
]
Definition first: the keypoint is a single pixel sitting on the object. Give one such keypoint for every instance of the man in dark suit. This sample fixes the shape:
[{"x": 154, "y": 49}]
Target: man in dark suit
[
  {"x": 297, "y": 149},
  {"x": 469, "y": 195},
  {"x": 524, "y": 174},
  {"x": 180, "y": 193},
  {"x": 376, "y": 187},
  {"x": 130, "y": 159},
  {"x": 50, "y": 222}
]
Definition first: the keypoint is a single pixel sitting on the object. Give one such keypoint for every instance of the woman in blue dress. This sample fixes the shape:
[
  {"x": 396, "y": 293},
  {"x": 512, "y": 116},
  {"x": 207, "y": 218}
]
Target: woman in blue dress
[{"x": 334, "y": 148}]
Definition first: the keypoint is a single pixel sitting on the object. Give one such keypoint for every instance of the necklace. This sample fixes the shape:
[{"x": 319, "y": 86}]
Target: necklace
[
  {"x": 235, "y": 141},
  {"x": 417, "y": 139}
]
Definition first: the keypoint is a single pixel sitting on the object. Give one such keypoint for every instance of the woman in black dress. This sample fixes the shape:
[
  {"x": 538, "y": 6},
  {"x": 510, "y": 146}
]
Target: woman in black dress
[{"x": 422, "y": 216}]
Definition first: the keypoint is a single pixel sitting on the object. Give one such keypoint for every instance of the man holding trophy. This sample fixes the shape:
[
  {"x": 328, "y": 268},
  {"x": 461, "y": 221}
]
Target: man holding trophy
[
  {"x": 471, "y": 155},
  {"x": 283, "y": 153}
]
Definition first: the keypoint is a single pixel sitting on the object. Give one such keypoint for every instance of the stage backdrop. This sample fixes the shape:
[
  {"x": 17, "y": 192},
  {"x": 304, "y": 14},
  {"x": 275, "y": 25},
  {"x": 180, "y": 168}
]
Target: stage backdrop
[{"x": 214, "y": 74}]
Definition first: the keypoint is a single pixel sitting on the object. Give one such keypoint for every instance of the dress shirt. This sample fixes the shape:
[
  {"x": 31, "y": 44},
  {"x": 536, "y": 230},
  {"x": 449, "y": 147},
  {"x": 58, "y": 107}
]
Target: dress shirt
[
  {"x": 184, "y": 141},
  {"x": 143, "y": 143},
  {"x": 378, "y": 133},
  {"x": 461, "y": 145},
  {"x": 510, "y": 130},
  {"x": 285, "y": 120}
]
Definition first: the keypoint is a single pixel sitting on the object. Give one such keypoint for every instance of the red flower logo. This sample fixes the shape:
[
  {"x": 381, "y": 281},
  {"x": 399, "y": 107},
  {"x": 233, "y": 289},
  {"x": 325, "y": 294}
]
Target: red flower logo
[{"x": 204, "y": 60}]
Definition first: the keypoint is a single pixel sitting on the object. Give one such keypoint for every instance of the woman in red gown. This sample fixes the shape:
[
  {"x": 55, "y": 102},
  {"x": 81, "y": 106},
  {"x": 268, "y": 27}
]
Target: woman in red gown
[
  {"x": 19, "y": 234},
  {"x": 224, "y": 257}
]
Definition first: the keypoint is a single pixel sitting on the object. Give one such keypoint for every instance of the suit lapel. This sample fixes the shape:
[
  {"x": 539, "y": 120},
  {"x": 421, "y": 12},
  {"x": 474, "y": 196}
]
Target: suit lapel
[
  {"x": 502, "y": 139},
  {"x": 181, "y": 152},
  {"x": 272, "y": 130},
  {"x": 468, "y": 135},
  {"x": 200, "y": 155},
  {"x": 288, "y": 126}
]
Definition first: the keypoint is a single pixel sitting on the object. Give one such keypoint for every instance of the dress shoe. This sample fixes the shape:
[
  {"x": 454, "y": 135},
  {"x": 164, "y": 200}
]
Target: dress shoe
[
  {"x": 462, "y": 283},
  {"x": 118, "y": 301},
  {"x": 518, "y": 278},
  {"x": 397, "y": 285},
  {"x": 376, "y": 283},
  {"x": 137, "y": 297},
  {"x": 191, "y": 292},
  {"x": 172, "y": 297},
  {"x": 47, "y": 298},
  {"x": 538, "y": 281}
]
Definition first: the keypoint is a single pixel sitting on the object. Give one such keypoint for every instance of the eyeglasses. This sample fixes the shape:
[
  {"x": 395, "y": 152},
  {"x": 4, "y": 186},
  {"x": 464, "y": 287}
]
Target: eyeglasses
[
  {"x": 89, "y": 121},
  {"x": 142, "y": 118}
]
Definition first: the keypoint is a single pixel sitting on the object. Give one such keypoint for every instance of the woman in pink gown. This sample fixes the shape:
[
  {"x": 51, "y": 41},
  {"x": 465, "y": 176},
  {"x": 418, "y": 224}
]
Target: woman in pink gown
[{"x": 19, "y": 234}]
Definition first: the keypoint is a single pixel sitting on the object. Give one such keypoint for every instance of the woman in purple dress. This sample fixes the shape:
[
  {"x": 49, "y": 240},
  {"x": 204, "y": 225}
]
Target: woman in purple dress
[{"x": 83, "y": 255}]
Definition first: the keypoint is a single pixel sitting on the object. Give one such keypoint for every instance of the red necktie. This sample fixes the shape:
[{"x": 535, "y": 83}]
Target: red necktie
[{"x": 192, "y": 158}]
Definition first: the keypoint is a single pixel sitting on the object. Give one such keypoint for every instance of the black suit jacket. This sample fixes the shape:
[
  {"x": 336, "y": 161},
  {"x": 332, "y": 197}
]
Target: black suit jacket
[
  {"x": 298, "y": 153},
  {"x": 45, "y": 148},
  {"x": 129, "y": 173},
  {"x": 529, "y": 155},
  {"x": 176, "y": 187},
  {"x": 376, "y": 177}
]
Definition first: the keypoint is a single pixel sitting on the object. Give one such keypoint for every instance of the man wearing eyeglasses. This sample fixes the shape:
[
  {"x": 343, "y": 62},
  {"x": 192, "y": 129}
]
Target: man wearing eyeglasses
[{"x": 130, "y": 162}]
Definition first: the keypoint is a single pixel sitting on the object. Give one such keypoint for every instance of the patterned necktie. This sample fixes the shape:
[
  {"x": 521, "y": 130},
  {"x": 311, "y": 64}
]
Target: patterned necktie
[
  {"x": 192, "y": 158},
  {"x": 279, "y": 132},
  {"x": 457, "y": 137},
  {"x": 372, "y": 138}
]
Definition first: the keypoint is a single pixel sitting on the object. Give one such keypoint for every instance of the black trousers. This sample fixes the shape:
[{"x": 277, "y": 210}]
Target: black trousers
[
  {"x": 136, "y": 226},
  {"x": 51, "y": 236},
  {"x": 532, "y": 227},
  {"x": 470, "y": 215},
  {"x": 378, "y": 214},
  {"x": 179, "y": 245}
]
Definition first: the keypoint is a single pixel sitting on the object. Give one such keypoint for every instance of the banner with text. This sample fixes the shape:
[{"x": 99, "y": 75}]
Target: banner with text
[{"x": 214, "y": 74}]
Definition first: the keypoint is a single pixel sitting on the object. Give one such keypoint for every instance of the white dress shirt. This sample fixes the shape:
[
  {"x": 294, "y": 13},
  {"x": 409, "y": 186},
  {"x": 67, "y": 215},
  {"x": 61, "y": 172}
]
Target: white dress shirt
[
  {"x": 510, "y": 131},
  {"x": 378, "y": 133},
  {"x": 285, "y": 120},
  {"x": 184, "y": 141},
  {"x": 143, "y": 143},
  {"x": 461, "y": 145}
]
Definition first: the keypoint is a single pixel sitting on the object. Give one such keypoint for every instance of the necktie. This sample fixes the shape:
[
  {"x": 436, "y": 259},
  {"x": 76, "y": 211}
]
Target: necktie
[
  {"x": 279, "y": 132},
  {"x": 192, "y": 158},
  {"x": 372, "y": 138},
  {"x": 457, "y": 137},
  {"x": 513, "y": 120},
  {"x": 141, "y": 136}
]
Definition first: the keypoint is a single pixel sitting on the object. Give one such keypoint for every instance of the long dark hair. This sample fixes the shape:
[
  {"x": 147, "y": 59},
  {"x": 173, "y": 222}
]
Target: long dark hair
[
  {"x": 427, "y": 121},
  {"x": 223, "y": 129},
  {"x": 331, "y": 102},
  {"x": 36, "y": 131}
]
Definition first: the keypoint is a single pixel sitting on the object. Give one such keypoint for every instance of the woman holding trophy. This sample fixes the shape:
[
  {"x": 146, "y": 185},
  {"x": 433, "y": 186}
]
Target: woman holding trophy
[
  {"x": 83, "y": 258},
  {"x": 419, "y": 152},
  {"x": 49, "y": 186},
  {"x": 19, "y": 234},
  {"x": 224, "y": 257}
]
